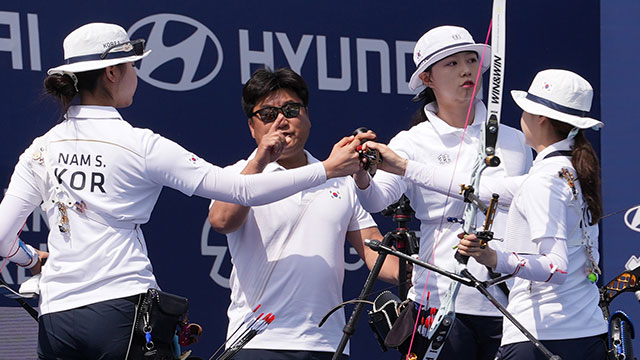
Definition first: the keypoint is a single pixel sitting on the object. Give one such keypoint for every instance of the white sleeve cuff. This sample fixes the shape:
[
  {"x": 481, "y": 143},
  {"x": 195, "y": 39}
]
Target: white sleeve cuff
[
  {"x": 25, "y": 256},
  {"x": 370, "y": 197}
]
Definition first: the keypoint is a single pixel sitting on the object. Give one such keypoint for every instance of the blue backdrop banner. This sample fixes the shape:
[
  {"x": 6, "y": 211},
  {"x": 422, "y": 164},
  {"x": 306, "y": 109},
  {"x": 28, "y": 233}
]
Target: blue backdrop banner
[{"x": 356, "y": 59}]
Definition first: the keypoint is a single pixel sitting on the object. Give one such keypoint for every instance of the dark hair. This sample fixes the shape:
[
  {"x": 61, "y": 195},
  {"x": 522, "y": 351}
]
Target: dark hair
[
  {"x": 265, "y": 81},
  {"x": 425, "y": 97},
  {"x": 61, "y": 87},
  {"x": 587, "y": 165}
]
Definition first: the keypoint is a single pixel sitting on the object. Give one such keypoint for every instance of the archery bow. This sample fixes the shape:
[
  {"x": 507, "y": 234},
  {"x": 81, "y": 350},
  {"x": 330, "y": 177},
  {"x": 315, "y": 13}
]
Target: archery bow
[
  {"x": 486, "y": 158},
  {"x": 445, "y": 315}
]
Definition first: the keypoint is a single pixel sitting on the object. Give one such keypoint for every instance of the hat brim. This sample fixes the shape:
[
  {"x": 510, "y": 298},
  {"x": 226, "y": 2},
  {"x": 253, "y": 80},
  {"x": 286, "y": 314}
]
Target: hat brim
[
  {"x": 415, "y": 82},
  {"x": 535, "y": 108},
  {"x": 94, "y": 64}
]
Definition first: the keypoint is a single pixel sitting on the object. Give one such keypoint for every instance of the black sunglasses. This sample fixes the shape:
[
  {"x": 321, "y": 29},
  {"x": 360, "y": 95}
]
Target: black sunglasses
[
  {"x": 270, "y": 113},
  {"x": 133, "y": 47}
]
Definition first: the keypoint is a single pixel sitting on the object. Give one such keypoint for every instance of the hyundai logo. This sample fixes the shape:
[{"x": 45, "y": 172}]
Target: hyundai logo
[
  {"x": 160, "y": 65},
  {"x": 632, "y": 218}
]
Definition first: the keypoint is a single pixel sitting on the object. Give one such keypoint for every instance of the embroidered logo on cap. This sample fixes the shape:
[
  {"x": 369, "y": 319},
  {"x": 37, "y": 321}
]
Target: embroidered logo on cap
[
  {"x": 547, "y": 86},
  {"x": 109, "y": 44}
]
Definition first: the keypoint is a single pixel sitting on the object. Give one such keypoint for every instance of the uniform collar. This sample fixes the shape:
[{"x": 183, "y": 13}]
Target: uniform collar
[
  {"x": 274, "y": 166},
  {"x": 443, "y": 128},
  {"x": 566, "y": 144},
  {"x": 92, "y": 112}
]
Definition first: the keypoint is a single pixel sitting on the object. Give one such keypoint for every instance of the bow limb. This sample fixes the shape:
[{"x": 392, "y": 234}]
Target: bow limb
[{"x": 628, "y": 280}]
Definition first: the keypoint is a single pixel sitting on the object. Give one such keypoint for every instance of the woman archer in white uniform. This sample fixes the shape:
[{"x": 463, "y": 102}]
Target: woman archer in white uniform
[
  {"x": 551, "y": 244},
  {"x": 98, "y": 178},
  {"x": 447, "y": 64}
]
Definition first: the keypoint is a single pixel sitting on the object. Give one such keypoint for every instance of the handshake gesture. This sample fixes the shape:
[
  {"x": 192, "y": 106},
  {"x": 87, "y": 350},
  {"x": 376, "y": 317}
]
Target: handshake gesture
[
  {"x": 359, "y": 155},
  {"x": 345, "y": 158},
  {"x": 370, "y": 158}
]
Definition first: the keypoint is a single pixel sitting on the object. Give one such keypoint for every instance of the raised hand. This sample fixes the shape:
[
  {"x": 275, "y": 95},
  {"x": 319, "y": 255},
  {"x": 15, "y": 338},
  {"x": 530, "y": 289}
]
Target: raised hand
[
  {"x": 344, "y": 159},
  {"x": 391, "y": 162},
  {"x": 367, "y": 167},
  {"x": 470, "y": 245},
  {"x": 272, "y": 144},
  {"x": 368, "y": 159}
]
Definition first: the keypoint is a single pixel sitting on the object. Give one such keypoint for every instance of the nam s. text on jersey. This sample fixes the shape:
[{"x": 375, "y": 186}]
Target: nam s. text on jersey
[{"x": 81, "y": 179}]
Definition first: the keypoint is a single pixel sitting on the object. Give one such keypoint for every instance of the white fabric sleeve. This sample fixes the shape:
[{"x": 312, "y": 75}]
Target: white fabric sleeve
[
  {"x": 425, "y": 176},
  {"x": 169, "y": 164},
  {"x": 549, "y": 265},
  {"x": 259, "y": 189},
  {"x": 360, "y": 219},
  {"x": 13, "y": 213},
  {"x": 23, "y": 180},
  {"x": 545, "y": 205},
  {"x": 384, "y": 189}
]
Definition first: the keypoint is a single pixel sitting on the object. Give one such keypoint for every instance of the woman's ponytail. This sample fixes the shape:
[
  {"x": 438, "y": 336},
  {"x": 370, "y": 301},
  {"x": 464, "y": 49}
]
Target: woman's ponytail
[
  {"x": 61, "y": 87},
  {"x": 586, "y": 163}
]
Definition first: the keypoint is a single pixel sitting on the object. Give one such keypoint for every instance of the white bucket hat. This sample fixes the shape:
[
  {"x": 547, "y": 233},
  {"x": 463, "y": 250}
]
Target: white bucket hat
[
  {"x": 96, "y": 46},
  {"x": 560, "y": 95},
  {"x": 438, "y": 43}
]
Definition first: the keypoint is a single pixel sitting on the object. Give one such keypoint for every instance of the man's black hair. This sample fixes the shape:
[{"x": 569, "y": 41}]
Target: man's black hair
[{"x": 265, "y": 81}]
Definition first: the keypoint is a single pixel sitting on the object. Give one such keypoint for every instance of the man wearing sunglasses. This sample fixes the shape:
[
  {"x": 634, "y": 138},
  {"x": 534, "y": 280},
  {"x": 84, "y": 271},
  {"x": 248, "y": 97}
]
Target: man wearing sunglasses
[{"x": 288, "y": 256}]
